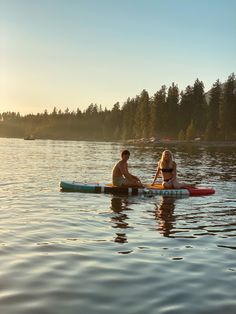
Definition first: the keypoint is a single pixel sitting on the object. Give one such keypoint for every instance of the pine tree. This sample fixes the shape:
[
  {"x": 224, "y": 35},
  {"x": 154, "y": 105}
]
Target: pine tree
[
  {"x": 157, "y": 112},
  {"x": 228, "y": 108},
  {"x": 115, "y": 121},
  {"x": 210, "y": 132},
  {"x": 153, "y": 118},
  {"x": 185, "y": 107},
  {"x": 144, "y": 106},
  {"x": 171, "y": 110},
  {"x": 214, "y": 105},
  {"x": 199, "y": 106},
  {"x": 137, "y": 117},
  {"x": 128, "y": 114},
  {"x": 191, "y": 131},
  {"x": 181, "y": 135}
]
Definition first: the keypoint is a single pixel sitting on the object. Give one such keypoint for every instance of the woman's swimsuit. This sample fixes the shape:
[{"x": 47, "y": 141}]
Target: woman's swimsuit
[{"x": 167, "y": 170}]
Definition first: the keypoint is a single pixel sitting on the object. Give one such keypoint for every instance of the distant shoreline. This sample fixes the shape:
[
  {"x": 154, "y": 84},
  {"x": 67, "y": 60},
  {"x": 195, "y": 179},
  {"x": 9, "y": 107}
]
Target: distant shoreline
[
  {"x": 142, "y": 142},
  {"x": 185, "y": 142},
  {"x": 167, "y": 142}
]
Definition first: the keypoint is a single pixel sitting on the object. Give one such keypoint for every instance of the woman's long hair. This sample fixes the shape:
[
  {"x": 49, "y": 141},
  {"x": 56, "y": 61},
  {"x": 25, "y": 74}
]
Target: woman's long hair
[{"x": 163, "y": 163}]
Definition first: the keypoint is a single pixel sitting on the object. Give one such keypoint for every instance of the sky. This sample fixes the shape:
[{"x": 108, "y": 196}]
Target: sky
[{"x": 71, "y": 53}]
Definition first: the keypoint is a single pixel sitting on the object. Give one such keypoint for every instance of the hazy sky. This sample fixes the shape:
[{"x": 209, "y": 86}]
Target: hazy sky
[{"x": 71, "y": 53}]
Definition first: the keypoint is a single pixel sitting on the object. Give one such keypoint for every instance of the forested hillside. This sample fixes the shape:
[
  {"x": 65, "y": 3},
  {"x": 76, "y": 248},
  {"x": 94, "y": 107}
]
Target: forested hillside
[{"x": 171, "y": 113}]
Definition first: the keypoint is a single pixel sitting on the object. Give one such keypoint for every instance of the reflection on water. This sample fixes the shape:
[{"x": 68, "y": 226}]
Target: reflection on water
[
  {"x": 58, "y": 251},
  {"x": 164, "y": 215},
  {"x": 119, "y": 218}
]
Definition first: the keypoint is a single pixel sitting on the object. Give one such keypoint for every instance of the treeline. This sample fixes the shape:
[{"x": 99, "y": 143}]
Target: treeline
[{"x": 171, "y": 113}]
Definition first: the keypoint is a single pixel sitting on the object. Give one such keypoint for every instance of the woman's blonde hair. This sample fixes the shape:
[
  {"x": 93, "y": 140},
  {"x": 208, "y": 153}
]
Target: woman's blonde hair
[{"x": 162, "y": 162}]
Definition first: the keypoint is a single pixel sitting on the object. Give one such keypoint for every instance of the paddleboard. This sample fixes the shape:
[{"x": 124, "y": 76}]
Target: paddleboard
[
  {"x": 157, "y": 189},
  {"x": 193, "y": 190}
]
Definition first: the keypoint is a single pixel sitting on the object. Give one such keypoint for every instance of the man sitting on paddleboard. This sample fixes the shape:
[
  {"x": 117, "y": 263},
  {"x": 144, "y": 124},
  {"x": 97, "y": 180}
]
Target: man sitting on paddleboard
[{"x": 120, "y": 174}]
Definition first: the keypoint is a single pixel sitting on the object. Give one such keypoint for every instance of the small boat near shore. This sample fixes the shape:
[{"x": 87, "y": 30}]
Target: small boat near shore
[{"x": 29, "y": 138}]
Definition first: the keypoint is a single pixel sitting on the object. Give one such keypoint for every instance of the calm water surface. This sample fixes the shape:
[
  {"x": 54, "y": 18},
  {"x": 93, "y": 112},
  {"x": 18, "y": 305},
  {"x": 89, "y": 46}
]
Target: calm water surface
[{"x": 84, "y": 253}]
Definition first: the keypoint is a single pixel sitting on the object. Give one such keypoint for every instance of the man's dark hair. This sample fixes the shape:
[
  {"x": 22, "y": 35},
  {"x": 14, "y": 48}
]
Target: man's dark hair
[{"x": 125, "y": 152}]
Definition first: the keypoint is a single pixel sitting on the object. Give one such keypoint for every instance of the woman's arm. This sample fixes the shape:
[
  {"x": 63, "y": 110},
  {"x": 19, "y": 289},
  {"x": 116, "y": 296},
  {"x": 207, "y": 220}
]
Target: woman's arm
[
  {"x": 156, "y": 175},
  {"x": 174, "y": 172}
]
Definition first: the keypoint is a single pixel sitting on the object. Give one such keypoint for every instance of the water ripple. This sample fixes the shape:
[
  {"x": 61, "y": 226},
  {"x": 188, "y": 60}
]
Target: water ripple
[{"x": 78, "y": 253}]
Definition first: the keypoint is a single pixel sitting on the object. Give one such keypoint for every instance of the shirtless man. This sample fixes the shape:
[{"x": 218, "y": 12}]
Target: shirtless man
[{"x": 121, "y": 175}]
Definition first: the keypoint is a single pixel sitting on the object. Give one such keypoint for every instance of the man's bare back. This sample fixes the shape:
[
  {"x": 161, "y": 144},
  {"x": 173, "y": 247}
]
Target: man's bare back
[{"x": 120, "y": 169}]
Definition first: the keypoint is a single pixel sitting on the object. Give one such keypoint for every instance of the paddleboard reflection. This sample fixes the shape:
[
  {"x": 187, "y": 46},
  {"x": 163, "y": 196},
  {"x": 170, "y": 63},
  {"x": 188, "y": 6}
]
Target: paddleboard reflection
[{"x": 164, "y": 215}]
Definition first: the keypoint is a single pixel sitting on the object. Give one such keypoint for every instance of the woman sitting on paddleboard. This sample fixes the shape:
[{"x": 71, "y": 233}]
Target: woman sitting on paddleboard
[{"x": 167, "y": 167}]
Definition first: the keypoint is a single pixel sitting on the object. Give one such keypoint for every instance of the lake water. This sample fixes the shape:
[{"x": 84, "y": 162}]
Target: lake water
[{"x": 93, "y": 253}]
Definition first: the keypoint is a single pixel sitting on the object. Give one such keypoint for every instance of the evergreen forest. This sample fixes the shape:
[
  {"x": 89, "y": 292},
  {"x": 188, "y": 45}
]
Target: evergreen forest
[{"x": 169, "y": 113}]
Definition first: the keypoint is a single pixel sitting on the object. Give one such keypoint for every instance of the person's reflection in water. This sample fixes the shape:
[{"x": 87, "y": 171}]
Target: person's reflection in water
[
  {"x": 164, "y": 215},
  {"x": 119, "y": 205}
]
